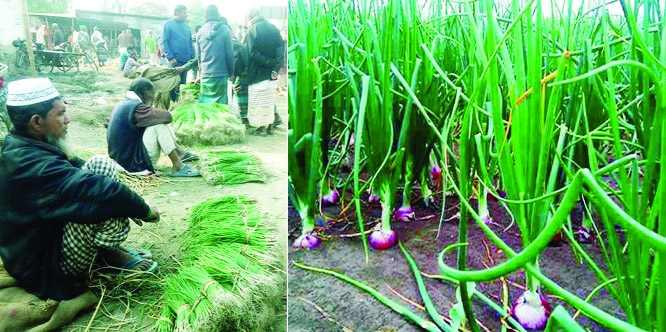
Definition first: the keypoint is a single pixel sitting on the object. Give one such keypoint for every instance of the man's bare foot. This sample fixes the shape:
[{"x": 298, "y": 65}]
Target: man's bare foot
[{"x": 120, "y": 258}]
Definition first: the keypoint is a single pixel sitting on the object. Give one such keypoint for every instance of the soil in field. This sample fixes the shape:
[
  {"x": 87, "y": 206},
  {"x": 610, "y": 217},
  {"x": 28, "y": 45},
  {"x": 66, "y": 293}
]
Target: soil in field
[
  {"x": 134, "y": 304},
  {"x": 319, "y": 302}
]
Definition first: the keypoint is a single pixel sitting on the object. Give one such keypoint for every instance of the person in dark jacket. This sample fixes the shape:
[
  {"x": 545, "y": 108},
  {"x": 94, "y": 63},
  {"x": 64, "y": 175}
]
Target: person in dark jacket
[
  {"x": 58, "y": 37},
  {"x": 138, "y": 132},
  {"x": 216, "y": 57},
  {"x": 239, "y": 80},
  {"x": 59, "y": 212},
  {"x": 177, "y": 43},
  {"x": 266, "y": 56}
]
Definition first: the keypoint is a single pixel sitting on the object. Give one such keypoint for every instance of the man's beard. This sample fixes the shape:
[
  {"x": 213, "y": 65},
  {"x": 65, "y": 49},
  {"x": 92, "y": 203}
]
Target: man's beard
[{"x": 63, "y": 144}]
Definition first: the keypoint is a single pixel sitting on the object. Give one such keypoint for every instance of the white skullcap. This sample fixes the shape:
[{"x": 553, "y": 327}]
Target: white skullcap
[{"x": 30, "y": 91}]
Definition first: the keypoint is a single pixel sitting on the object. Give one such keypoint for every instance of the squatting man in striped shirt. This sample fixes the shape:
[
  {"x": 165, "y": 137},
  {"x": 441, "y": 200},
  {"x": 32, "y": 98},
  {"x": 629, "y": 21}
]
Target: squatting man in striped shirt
[{"x": 59, "y": 212}]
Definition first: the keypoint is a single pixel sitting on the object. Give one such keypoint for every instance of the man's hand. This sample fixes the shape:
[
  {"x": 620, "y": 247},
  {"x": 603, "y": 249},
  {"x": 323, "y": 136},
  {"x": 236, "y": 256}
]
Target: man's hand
[
  {"x": 173, "y": 61},
  {"x": 179, "y": 70},
  {"x": 153, "y": 215}
]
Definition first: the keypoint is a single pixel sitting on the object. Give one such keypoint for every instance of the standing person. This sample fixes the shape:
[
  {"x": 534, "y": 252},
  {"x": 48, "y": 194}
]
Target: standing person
[
  {"x": 240, "y": 33},
  {"x": 160, "y": 52},
  {"x": 49, "y": 36},
  {"x": 99, "y": 46},
  {"x": 40, "y": 35},
  {"x": 96, "y": 37},
  {"x": 241, "y": 59},
  {"x": 85, "y": 44},
  {"x": 59, "y": 212},
  {"x": 151, "y": 47},
  {"x": 123, "y": 42},
  {"x": 266, "y": 50},
  {"x": 217, "y": 57},
  {"x": 58, "y": 37},
  {"x": 177, "y": 43}
]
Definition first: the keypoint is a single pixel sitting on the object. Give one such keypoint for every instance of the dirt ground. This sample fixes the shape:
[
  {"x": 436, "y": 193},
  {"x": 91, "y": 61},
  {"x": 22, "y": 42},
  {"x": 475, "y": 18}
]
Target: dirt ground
[
  {"x": 319, "y": 302},
  {"x": 134, "y": 305}
]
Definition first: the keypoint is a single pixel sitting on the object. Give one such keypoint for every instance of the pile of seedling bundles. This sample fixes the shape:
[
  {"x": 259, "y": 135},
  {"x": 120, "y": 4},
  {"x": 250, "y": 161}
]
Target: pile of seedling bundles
[
  {"x": 231, "y": 167},
  {"x": 230, "y": 278},
  {"x": 206, "y": 124}
]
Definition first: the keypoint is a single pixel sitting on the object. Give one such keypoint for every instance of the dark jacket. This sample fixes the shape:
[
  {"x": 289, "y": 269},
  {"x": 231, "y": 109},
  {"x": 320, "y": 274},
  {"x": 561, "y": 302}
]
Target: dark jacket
[
  {"x": 58, "y": 37},
  {"x": 241, "y": 58},
  {"x": 40, "y": 191},
  {"x": 177, "y": 41},
  {"x": 266, "y": 49},
  {"x": 216, "y": 54},
  {"x": 125, "y": 138}
]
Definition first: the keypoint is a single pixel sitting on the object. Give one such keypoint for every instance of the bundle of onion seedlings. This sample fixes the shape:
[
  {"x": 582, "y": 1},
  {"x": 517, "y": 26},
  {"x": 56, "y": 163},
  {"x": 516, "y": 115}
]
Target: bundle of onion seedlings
[
  {"x": 231, "y": 167},
  {"x": 206, "y": 124},
  {"x": 231, "y": 277}
]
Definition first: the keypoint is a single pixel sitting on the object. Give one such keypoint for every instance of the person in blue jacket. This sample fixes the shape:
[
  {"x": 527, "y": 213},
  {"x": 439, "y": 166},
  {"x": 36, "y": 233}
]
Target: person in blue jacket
[
  {"x": 177, "y": 43},
  {"x": 217, "y": 57}
]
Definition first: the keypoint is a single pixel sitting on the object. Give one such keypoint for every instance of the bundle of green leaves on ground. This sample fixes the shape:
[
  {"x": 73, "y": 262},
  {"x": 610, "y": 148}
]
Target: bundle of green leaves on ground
[
  {"x": 231, "y": 167},
  {"x": 231, "y": 277},
  {"x": 207, "y": 124},
  {"x": 189, "y": 94}
]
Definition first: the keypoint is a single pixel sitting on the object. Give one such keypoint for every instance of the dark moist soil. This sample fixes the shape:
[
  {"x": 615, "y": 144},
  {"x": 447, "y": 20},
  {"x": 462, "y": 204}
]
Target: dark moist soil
[{"x": 319, "y": 302}]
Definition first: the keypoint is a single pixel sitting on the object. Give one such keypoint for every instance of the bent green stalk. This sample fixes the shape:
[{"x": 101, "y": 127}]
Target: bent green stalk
[{"x": 385, "y": 300}]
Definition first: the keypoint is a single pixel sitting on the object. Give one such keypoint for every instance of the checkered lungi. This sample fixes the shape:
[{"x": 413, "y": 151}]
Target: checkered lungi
[
  {"x": 80, "y": 241},
  {"x": 242, "y": 100}
]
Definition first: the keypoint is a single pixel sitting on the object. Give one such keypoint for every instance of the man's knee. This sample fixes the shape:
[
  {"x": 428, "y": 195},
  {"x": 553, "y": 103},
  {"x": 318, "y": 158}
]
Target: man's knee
[{"x": 103, "y": 165}]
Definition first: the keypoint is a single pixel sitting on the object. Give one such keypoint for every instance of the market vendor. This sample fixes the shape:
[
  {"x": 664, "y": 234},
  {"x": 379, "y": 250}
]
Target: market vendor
[
  {"x": 59, "y": 212},
  {"x": 138, "y": 132}
]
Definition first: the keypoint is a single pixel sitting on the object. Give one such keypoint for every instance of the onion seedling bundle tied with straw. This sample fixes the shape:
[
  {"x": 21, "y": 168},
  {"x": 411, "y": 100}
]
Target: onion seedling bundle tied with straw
[
  {"x": 231, "y": 167},
  {"x": 535, "y": 108},
  {"x": 231, "y": 278},
  {"x": 206, "y": 124}
]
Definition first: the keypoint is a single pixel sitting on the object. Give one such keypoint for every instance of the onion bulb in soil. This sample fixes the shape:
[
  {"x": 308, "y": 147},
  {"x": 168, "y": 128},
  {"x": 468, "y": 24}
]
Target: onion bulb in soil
[
  {"x": 373, "y": 199},
  {"x": 307, "y": 241},
  {"x": 404, "y": 214},
  {"x": 531, "y": 310},
  {"x": 332, "y": 198},
  {"x": 381, "y": 239},
  {"x": 436, "y": 174}
]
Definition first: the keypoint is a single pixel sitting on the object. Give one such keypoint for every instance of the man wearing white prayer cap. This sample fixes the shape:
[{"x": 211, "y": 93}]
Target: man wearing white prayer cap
[{"x": 59, "y": 212}]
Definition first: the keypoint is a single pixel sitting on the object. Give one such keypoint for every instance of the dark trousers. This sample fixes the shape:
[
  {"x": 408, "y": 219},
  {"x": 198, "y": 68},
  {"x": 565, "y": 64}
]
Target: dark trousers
[{"x": 183, "y": 80}]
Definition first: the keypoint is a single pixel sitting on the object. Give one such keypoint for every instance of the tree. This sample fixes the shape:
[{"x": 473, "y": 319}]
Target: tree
[
  {"x": 151, "y": 9},
  {"x": 196, "y": 14},
  {"x": 48, "y": 6},
  {"x": 115, "y": 6}
]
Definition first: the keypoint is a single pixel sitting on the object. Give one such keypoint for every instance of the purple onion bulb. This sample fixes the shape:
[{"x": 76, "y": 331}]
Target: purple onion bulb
[
  {"x": 306, "y": 241},
  {"x": 436, "y": 173},
  {"x": 531, "y": 310},
  {"x": 373, "y": 198},
  {"x": 332, "y": 198},
  {"x": 404, "y": 214},
  {"x": 381, "y": 239}
]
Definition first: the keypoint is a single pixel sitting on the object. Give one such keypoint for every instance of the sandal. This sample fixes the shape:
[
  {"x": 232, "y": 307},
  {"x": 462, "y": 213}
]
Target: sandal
[
  {"x": 131, "y": 266},
  {"x": 189, "y": 157},
  {"x": 259, "y": 132},
  {"x": 140, "y": 253},
  {"x": 186, "y": 171}
]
